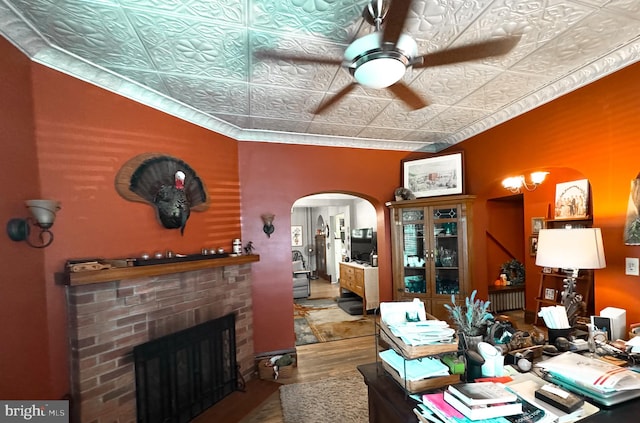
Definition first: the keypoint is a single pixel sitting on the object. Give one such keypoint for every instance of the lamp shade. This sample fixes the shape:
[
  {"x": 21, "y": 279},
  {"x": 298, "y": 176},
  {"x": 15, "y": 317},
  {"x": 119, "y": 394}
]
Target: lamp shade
[
  {"x": 43, "y": 211},
  {"x": 571, "y": 248}
]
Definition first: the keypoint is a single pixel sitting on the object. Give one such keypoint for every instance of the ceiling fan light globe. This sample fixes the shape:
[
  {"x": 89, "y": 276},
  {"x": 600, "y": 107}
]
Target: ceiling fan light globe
[{"x": 380, "y": 73}]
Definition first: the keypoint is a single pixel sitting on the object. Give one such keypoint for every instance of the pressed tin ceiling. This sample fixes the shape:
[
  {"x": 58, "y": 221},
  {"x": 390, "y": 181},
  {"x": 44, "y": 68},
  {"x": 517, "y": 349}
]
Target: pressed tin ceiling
[{"x": 195, "y": 59}]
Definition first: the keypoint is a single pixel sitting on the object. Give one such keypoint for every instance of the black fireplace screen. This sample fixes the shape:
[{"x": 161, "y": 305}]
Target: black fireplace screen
[{"x": 180, "y": 375}]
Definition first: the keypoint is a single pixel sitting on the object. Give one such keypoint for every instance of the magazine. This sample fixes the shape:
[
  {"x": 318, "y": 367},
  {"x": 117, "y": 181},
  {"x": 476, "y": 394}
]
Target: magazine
[
  {"x": 480, "y": 393},
  {"x": 448, "y": 414}
]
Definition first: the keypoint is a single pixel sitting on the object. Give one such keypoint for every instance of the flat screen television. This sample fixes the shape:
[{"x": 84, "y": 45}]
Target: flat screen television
[{"x": 363, "y": 242}]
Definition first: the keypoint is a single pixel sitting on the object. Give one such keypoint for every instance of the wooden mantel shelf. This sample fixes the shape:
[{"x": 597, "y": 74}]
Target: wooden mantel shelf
[{"x": 121, "y": 273}]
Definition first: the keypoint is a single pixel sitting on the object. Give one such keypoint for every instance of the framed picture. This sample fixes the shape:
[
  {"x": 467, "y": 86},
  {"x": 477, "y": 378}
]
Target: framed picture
[
  {"x": 572, "y": 199},
  {"x": 440, "y": 175},
  {"x": 296, "y": 236},
  {"x": 537, "y": 223},
  {"x": 550, "y": 294},
  {"x": 533, "y": 245}
]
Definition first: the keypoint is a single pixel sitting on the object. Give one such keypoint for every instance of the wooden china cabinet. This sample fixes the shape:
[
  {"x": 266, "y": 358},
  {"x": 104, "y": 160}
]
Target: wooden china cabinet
[{"x": 430, "y": 241}]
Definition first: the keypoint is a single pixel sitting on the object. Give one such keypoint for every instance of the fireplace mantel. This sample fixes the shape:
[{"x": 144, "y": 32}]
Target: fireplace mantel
[{"x": 120, "y": 273}]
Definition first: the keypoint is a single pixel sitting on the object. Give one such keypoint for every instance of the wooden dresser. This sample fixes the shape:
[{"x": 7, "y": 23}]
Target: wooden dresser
[{"x": 362, "y": 281}]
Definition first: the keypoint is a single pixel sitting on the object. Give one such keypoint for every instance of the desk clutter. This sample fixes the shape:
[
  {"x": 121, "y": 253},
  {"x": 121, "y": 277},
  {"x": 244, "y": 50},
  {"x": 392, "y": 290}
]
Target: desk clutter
[
  {"x": 509, "y": 375},
  {"x": 525, "y": 398}
]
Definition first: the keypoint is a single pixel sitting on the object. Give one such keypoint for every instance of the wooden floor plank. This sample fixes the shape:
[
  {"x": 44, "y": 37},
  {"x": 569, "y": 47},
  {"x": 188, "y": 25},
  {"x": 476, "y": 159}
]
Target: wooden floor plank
[{"x": 314, "y": 362}]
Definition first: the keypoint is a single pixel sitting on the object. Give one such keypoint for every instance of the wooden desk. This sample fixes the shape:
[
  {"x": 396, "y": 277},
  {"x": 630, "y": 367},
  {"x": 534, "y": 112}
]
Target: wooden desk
[{"x": 389, "y": 404}]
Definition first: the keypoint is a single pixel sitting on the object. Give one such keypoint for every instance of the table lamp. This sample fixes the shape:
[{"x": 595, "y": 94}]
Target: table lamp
[{"x": 571, "y": 250}]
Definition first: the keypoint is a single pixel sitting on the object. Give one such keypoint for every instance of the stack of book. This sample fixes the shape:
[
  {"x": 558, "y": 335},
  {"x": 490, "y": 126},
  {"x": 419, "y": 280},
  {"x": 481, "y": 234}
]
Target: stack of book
[{"x": 482, "y": 400}]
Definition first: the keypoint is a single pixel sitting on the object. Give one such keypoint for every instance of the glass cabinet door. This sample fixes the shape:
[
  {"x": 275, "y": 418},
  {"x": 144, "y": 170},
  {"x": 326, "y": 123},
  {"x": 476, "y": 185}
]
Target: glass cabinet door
[
  {"x": 446, "y": 250},
  {"x": 413, "y": 248}
]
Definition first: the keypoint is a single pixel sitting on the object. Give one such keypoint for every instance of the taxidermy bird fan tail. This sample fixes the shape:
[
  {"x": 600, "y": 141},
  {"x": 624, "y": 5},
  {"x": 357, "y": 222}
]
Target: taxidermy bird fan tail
[
  {"x": 155, "y": 172},
  {"x": 167, "y": 183}
]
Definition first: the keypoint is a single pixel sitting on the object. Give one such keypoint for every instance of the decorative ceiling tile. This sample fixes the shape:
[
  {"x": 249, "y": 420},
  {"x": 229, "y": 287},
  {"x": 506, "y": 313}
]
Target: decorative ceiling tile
[
  {"x": 451, "y": 119},
  {"x": 398, "y": 115},
  {"x": 213, "y": 96},
  {"x": 227, "y": 11},
  {"x": 427, "y": 137},
  {"x": 381, "y": 133},
  {"x": 193, "y": 47},
  {"x": 267, "y": 101},
  {"x": 242, "y": 121},
  {"x": 593, "y": 38},
  {"x": 499, "y": 91},
  {"x": 354, "y": 110},
  {"x": 144, "y": 77},
  {"x": 288, "y": 73},
  {"x": 449, "y": 84},
  {"x": 334, "y": 129},
  {"x": 197, "y": 60},
  {"x": 335, "y": 20},
  {"x": 97, "y": 32},
  {"x": 282, "y": 125}
]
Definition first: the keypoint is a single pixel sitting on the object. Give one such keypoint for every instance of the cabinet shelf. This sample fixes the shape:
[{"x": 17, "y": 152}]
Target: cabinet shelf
[
  {"x": 554, "y": 284},
  {"x": 548, "y": 302}
]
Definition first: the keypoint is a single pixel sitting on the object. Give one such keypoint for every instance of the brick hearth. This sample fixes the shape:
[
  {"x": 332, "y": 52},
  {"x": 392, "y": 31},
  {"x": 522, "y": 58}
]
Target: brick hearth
[{"x": 106, "y": 320}]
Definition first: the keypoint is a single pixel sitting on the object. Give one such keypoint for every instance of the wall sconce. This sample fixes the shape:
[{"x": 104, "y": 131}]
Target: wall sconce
[
  {"x": 268, "y": 227},
  {"x": 44, "y": 214},
  {"x": 515, "y": 183}
]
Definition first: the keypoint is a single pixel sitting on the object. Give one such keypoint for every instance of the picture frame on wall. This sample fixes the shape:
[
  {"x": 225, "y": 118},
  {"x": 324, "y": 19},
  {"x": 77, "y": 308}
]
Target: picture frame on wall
[
  {"x": 434, "y": 176},
  {"x": 537, "y": 223},
  {"x": 572, "y": 200},
  {"x": 296, "y": 236},
  {"x": 533, "y": 245}
]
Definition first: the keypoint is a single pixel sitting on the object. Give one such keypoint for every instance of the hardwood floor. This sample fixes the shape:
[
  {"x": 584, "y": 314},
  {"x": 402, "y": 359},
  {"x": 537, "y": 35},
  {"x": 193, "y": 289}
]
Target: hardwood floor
[{"x": 261, "y": 401}]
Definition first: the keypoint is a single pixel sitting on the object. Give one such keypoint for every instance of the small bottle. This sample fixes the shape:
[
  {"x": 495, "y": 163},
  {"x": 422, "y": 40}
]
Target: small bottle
[
  {"x": 591, "y": 342},
  {"x": 237, "y": 246}
]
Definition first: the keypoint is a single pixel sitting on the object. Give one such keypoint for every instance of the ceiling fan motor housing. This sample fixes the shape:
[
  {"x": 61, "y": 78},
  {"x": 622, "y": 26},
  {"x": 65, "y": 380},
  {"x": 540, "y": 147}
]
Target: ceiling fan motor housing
[{"x": 377, "y": 65}]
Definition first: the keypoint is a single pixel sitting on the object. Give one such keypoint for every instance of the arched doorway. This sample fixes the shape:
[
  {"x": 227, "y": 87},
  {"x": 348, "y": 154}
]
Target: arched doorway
[
  {"x": 340, "y": 213},
  {"x": 331, "y": 311}
]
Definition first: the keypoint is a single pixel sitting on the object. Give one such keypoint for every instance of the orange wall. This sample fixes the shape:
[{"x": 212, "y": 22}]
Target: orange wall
[
  {"x": 591, "y": 133},
  {"x": 24, "y": 371},
  {"x": 83, "y": 138},
  {"x": 273, "y": 176},
  {"x": 84, "y": 134}
]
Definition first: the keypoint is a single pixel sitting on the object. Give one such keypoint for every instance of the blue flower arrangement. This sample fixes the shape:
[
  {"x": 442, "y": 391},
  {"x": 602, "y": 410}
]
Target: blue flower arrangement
[{"x": 473, "y": 318}]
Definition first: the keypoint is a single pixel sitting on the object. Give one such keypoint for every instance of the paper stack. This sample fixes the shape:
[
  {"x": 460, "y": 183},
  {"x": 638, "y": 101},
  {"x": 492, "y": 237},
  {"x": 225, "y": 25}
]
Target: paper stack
[{"x": 413, "y": 370}]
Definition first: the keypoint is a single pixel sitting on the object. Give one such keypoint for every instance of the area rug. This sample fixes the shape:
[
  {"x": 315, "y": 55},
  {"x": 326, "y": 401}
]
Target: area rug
[
  {"x": 340, "y": 399},
  {"x": 323, "y": 321}
]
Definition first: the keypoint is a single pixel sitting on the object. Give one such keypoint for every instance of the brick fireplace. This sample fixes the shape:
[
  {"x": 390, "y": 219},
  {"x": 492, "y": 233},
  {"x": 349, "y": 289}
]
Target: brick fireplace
[{"x": 108, "y": 318}]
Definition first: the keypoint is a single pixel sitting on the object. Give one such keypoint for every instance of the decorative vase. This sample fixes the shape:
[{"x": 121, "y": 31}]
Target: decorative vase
[{"x": 471, "y": 341}]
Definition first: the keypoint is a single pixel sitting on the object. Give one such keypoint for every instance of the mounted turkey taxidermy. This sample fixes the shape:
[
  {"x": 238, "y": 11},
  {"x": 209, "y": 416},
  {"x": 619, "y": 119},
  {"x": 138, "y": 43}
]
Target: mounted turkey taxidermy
[{"x": 167, "y": 183}]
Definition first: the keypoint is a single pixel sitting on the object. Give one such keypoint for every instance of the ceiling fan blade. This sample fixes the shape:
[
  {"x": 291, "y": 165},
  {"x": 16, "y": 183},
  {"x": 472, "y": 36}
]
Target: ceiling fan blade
[
  {"x": 394, "y": 20},
  {"x": 333, "y": 100},
  {"x": 263, "y": 54},
  {"x": 410, "y": 97},
  {"x": 475, "y": 51}
]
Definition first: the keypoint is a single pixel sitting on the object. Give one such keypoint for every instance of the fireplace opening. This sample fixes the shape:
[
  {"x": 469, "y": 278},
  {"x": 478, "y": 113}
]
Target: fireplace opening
[{"x": 179, "y": 376}]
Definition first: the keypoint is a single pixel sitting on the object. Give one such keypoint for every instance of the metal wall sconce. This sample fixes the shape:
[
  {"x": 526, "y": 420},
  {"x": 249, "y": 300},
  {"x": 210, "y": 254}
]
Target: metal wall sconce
[
  {"x": 515, "y": 183},
  {"x": 267, "y": 220},
  {"x": 44, "y": 214}
]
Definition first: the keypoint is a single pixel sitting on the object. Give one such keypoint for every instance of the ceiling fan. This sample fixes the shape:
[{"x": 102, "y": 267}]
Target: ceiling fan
[{"x": 380, "y": 59}]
